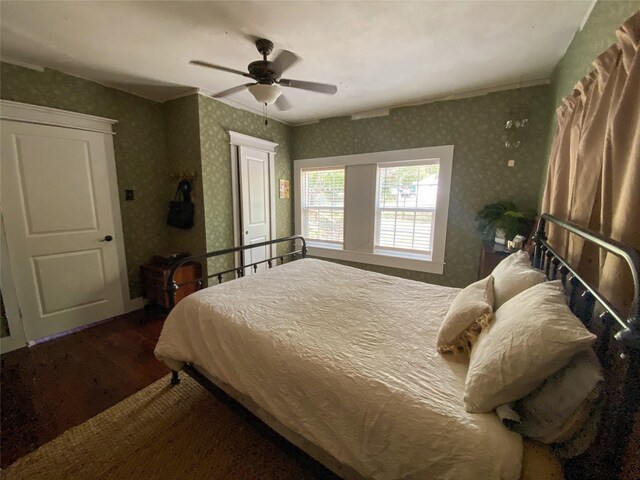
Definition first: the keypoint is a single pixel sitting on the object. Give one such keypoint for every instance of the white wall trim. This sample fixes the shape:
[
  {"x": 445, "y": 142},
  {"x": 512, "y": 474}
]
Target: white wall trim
[
  {"x": 237, "y": 140},
  {"x": 403, "y": 263},
  {"x": 117, "y": 219},
  {"x": 30, "y": 66},
  {"x": 235, "y": 202},
  {"x": 406, "y": 155},
  {"x": 24, "y": 112},
  {"x": 242, "y": 140},
  {"x": 380, "y": 112},
  {"x": 443, "y": 153},
  {"x": 11, "y": 343},
  {"x": 17, "y": 338},
  {"x": 186, "y": 93}
]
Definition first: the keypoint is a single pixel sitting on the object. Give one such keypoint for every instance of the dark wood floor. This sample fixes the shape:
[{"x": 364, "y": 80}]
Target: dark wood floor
[{"x": 53, "y": 386}]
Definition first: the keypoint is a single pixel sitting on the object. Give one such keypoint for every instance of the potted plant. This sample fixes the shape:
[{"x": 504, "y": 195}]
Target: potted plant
[{"x": 502, "y": 220}]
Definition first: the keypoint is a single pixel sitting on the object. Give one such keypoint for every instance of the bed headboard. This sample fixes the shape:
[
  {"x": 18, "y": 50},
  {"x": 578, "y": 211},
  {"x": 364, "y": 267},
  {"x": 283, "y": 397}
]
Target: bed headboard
[{"x": 618, "y": 347}]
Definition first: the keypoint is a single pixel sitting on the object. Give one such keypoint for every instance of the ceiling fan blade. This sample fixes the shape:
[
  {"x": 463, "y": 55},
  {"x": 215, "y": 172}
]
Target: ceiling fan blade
[
  {"x": 218, "y": 67},
  {"x": 313, "y": 86},
  {"x": 283, "y": 61},
  {"x": 228, "y": 92},
  {"x": 282, "y": 103}
]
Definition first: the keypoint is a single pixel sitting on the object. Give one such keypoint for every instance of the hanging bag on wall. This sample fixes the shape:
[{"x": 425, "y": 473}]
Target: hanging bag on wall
[{"x": 181, "y": 208}]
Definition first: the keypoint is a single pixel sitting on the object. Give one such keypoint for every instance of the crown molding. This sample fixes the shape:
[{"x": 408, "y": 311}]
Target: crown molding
[{"x": 24, "y": 112}]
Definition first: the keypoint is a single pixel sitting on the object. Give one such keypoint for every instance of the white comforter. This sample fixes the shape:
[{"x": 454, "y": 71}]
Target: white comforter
[{"x": 347, "y": 359}]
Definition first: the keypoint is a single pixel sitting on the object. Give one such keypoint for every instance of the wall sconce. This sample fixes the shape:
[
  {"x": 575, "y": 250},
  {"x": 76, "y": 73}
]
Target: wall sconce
[{"x": 512, "y": 127}]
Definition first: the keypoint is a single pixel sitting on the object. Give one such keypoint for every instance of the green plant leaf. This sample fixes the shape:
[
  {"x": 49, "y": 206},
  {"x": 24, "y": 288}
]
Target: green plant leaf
[{"x": 505, "y": 216}]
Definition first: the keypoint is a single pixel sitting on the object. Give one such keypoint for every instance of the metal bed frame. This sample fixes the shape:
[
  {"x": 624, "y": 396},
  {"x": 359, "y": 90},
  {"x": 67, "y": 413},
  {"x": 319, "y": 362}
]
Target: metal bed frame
[
  {"x": 172, "y": 287},
  {"x": 618, "y": 345}
]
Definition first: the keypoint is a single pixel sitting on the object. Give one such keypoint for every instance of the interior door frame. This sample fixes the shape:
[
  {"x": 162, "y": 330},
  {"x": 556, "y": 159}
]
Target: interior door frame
[
  {"x": 237, "y": 140},
  {"x": 27, "y": 113},
  {"x": 17, "y": 338}
]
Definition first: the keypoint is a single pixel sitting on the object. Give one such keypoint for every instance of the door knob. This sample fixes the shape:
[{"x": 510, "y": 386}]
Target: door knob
[{"x": 107, "y": 238}]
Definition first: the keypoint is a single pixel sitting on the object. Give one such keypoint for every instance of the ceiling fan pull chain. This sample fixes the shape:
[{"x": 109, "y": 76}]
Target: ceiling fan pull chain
[{"x": 266, "y": 117}]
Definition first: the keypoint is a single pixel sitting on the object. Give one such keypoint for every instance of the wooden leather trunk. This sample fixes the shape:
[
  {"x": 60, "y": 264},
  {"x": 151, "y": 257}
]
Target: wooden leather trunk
[{"x": 154, "y": 281}]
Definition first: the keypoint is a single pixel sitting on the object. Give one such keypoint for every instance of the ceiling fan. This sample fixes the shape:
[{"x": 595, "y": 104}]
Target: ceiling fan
[{"x": 268, "y": 77}]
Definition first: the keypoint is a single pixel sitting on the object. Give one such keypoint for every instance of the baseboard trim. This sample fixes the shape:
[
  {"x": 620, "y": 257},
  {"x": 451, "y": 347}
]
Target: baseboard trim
[
  {"x": 135, "y": 304},
  {"x": 131, "y": 305},
  {"x": 11, "y": 343}
]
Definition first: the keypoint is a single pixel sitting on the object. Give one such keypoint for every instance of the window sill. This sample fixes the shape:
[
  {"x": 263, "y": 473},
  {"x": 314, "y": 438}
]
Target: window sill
[
  {"x": 394, "y": 261},
  {"x": 324, "y": 245},
  {"x": 423, "y": 257}
]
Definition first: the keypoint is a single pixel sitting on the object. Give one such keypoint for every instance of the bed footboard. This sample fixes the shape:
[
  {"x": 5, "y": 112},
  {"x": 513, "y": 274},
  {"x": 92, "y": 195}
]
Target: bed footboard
[{"x": 172, "y": 286}]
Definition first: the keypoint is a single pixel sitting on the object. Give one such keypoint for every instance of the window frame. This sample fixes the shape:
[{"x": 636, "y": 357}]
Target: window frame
[
  {"x": 324, "y": 243},
  {"x": 365, "y": 216},
  {"x": 396, "y": 251}
]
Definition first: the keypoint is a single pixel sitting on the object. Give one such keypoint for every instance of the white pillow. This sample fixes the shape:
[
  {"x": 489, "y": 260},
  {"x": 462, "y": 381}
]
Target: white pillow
[
  {"x": 559, "y": 408},
  {"x": 545, "y": 411},
  {"x": 514, "y": 275},
  {"x": 469, "y": 313},
  {"x": 532, "y": 336}
]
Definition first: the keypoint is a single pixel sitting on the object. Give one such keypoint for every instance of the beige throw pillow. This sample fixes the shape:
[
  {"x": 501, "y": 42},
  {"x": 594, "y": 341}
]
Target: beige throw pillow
[
  {"x": 469, "y": 313},
  {"x": 532, "y": 336},
  {"x": 514, "y": 275}
]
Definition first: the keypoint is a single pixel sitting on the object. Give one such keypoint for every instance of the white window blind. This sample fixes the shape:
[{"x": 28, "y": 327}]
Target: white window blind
[
  {"x": 322, "y": 204},
  {"x": 406, "y": 207}
]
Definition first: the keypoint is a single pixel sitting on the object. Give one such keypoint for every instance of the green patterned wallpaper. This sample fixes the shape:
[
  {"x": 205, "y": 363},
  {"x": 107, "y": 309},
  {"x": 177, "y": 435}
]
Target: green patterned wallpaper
[
  {"x": 216, "y": 120},
  {"x": 475, "y": 126},
  {"x": 598, "y": 34},
  {"x": 182, "y": 124},
  {"x": 139, "y": 145}
]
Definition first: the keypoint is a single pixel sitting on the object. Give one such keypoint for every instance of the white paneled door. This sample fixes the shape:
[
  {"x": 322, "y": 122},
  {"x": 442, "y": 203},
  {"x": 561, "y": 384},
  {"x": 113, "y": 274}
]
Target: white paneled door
[
  {"x": 255, "y": 191},
  {"x": 59, "y": 211}
]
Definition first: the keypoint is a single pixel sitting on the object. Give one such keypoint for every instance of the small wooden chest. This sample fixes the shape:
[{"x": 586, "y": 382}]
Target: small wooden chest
[{"x": 154, "y": 281}]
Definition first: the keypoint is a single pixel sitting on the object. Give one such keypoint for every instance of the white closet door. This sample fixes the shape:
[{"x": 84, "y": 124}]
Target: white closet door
[
  {"x": 60, "y": 226},
  {"x": 256, "y": 204}
]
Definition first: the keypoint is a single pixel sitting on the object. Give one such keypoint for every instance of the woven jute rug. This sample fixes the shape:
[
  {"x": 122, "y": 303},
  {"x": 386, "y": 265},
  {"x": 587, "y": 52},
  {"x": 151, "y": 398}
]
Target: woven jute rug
[{"x": 165, "y": 432}]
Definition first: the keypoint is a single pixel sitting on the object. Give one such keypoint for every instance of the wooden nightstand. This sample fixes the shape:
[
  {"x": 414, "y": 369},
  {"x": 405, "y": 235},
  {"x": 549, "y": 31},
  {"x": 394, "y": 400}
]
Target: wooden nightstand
[
  {"x": 491, "y": 254},
  {"x": 154, "y": 281}
]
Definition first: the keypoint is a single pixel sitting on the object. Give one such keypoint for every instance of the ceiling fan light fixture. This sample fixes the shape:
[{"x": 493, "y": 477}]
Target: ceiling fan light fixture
[{"x": 265, "y": 93}]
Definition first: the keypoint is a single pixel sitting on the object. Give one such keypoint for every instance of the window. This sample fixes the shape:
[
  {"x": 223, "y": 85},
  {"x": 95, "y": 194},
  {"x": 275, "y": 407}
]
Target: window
[
  {"x": 322, "y": 192},
  {"x": 381, "y": 208},
  {"x": 405, "y": 209}
]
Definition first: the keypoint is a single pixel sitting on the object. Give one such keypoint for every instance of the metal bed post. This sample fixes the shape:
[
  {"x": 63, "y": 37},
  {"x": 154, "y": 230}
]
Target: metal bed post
[
  {"x": 620, "y": 358},
  {"x": 538, "y": 237}
]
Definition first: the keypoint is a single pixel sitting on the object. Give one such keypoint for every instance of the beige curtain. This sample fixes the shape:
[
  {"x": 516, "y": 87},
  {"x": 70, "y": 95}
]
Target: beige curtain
[{"x": 594, "y": 168}]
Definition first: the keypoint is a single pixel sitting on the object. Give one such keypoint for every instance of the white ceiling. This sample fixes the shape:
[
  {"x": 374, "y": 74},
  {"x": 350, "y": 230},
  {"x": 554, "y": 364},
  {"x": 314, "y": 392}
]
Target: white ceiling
[{"x": 379, "y": 54}]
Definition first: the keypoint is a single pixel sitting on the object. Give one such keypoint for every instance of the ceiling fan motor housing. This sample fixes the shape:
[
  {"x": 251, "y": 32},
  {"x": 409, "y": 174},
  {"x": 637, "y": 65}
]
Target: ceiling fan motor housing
[
  {"x": 262, "y": 71},
  {"x": 264, "y": 46}
]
